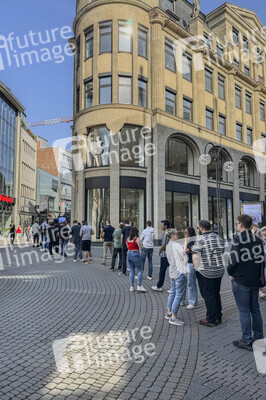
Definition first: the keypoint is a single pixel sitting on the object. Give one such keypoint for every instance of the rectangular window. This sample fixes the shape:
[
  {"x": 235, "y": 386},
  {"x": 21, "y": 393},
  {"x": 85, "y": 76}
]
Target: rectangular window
[
  {"x": 249, "y": 136},
  {"x": 207, "y": 40},
  {"x": 238, "y": 96},
  {"x": 245, "y": 44},
  {"x": 236, "y": 62},
  {"x": 187, "y": 109},
  {"x": 89, "y": 42},
  {"x": 169, "y": 56},
  {"x": 77, "y": 100},
  {"x": 263, "y": 142},
  {"x": 142, "y": 41},
  {"x": 106, "y": 37},
  {"x": 261, "y": 80},
  {"x": 209, "y": 118},
  {"x": 78, "y": 53},
  {"x": 219, "y": 49},
  {"x": 235, "y": 36},
  {"x": 221, "y": 88},
  {"x": 125, "y": 90},
  {"x": 105, "y": 90},
  {"x": 208, "y": 80},
  {"x": 259, "y": 55},
  {"x": 125, "y": 36},
  {"x": 222, "y": 124},
  {"x": 169, "y": 4},
  {"x": 187, "y": 67},
  {"x": 170, "y": 102},
  {"x": 246, "y": 70},
  {"x": 89, "y": 93},
  {"x": 262, "y": 112},
  {"x": 248, "y": 103},
  {"x": 239, "y": 132},
  {"x": 142, "y": 93}
]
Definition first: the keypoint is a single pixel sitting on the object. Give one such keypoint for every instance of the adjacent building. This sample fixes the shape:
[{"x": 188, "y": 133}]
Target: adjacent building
[
  {"x": 155, "y": 81},
  {"x": 54, "y": 176},
  {"x": 10, "y": 126}
]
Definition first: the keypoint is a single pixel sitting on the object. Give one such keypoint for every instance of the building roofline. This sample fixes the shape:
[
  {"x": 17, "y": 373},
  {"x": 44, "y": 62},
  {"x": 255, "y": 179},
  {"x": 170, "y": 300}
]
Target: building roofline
[{"x": 10, "y": 97}]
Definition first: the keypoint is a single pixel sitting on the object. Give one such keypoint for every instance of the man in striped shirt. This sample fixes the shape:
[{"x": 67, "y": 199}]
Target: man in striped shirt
[{"x": 208, "y": 262}]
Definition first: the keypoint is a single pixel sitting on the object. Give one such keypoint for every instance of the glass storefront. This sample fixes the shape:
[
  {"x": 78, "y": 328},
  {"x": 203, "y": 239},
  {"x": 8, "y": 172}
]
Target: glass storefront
[
  {"x": 182, "y": 210},
  {"x": 133, "y": 207},
  {"x": 98, "y": 209},
  {"x": 132, "y": 146},
  {"x": 98, "y": 143},
  {"x": 5, "y": 220},
  {"x": 226, "y": 211}
]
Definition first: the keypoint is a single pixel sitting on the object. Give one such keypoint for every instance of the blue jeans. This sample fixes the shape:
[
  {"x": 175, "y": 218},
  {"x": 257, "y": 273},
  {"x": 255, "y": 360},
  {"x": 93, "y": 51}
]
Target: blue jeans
[
  {"x": 192, "y": 287},
  {"x": 178, "y": 288},
  {"x": 249, "y": 311},
  {"x": 78, "y": 250},
  {"x": 134, "y": 262},
  {"x": 147, "y": 252},
  {"x": 45, "y": 243},
  {"x": 63, "y": 245}
]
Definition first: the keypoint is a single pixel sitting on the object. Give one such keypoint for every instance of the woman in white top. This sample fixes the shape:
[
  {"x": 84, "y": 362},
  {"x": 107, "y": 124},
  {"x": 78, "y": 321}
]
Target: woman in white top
[{"x": 178, "y": 270}]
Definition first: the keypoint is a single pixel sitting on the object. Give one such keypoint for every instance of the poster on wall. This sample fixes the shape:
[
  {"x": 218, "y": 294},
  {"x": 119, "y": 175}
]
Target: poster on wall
[{"x": 255, "y": 210}]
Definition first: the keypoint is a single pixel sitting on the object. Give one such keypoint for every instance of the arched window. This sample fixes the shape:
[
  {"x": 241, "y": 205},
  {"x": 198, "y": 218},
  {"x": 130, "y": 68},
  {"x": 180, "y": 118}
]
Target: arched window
[
  {"x": 212, "y": 166},
  {"x": 179, "y": 157},
  {"x": 246, "y": 173}
]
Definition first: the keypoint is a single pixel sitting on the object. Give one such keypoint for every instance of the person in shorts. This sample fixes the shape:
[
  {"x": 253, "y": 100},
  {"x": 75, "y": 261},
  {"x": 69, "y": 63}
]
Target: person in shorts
[{"x": 86, "y": 232}]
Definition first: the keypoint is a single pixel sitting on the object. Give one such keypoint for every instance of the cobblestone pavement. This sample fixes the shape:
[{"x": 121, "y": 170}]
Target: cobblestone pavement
[{"x": 45, "y": 301}]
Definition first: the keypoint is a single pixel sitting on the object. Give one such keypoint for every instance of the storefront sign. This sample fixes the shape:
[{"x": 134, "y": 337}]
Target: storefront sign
[
  {"x": 7, "y": 199},
  {"x": 254, "y": 210}
]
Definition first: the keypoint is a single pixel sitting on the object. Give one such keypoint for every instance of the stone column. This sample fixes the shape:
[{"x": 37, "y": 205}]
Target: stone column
[
  {"x": 204, "y": 212},
  {"x": 236, "y": 190},
  {"x": 230, "y": 104},
  {"x": 198, "y": 80}
]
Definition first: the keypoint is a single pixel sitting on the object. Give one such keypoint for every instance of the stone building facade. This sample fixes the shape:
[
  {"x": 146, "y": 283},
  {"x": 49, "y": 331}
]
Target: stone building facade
[{"x": 154, "y": 82}]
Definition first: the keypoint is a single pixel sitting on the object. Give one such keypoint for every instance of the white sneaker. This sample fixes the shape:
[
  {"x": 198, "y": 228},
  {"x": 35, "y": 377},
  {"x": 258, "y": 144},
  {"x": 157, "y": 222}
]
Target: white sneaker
[
  {"x": 136, "y": 277},
  {"x": 156, "y": 289},
  {"x": 176, "y": 321},
  {"x": 141, "y": 289},
  {"x": 75, "y": 260},
  {"x": 182, "y": 304},
  {"x": 190, "y": 307},
  {"x": 149, "y": 277},
  {"x": 168, "y": 291},
  {"x": 132, "y": 289}
]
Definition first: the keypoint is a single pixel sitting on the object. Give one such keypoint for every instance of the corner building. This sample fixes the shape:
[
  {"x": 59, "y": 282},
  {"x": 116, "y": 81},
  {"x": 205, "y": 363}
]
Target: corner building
[{"x": 129, "y": 77}]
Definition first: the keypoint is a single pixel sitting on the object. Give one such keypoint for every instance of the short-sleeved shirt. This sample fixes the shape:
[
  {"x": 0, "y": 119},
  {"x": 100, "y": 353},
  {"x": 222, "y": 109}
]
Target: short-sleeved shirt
[
  {"x": 75, "y": 232},
  {"x": 165, "y": 241},
  {"x": 210, "y": 248},
  {"x": 108, "y": 233},
  {"x": 125, "y": 232},
  {"x": 86, "y": 232},
  {"x": 117, "y": 239}
]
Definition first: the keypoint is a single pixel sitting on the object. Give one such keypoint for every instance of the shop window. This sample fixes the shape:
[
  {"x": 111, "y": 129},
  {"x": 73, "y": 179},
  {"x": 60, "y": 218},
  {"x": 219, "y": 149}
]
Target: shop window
[
  {"x": 182, "y": 210},
  {"x": 98, "y": 145},
  {"x": 132, "y": 146},
  {"x": 246, "y": 173},
  {"x": 132, "y": 206},
  {"x": 98, "y": 209},
  {"x": 179, "y": 157},
  {"x": 211, "y": 168}
]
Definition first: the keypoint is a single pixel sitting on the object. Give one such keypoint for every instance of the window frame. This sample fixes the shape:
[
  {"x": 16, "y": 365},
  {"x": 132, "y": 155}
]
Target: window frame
[
  {"x": 235, "y": 33},
  {"x": 246, "y": 70},
  {"x": 223, "y": 117},
  {"x": 262, "y": 117},
  {"x": 210, "y": 78},
  {"x": 220, "y": 49},
  {"x": 238, "y": 90},
  {"x": 143, "y": 80},
  {"x": 245, "y": 41},
  {"x": 211, "y": 112},
  {"x": 131, "y": 88},
  {"x": 104, "y": 24},
  {"x": 249, "y": 134},
  {"x": 221, "y": 78},
  {"x": 248, "y": 96},
  {"x": 87, "y": 32},
  {"x": 78, "y": 54},
  {"x": 239, "y": 125},
  {"x": 87, "y": 82},
  {"x": 190, "y": 101},
  {"x": 144, "y": 30},
  {"x": 168, "y": 44},
  {"x": 187, "y": 56},
  {"x": 103, "y": 86},
  {"x": 173, "y": 93},
  {"x": 121, "y": 24}
]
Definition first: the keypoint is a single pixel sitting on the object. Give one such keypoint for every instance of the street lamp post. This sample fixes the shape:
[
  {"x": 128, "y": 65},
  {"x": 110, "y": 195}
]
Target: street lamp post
[{"x": 228, "y": 166}]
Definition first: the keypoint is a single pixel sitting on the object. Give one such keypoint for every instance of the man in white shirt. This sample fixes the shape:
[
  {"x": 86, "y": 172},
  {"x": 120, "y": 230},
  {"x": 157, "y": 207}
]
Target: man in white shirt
[{"x": 147, "y": 239}]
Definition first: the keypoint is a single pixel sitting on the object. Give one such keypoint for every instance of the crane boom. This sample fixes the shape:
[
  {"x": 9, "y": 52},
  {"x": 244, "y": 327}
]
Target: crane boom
[{"x": 64, "y": 120}]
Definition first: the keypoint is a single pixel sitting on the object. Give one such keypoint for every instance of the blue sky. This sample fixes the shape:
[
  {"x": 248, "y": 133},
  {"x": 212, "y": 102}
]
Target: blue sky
[{"x": 45, "y": 88}]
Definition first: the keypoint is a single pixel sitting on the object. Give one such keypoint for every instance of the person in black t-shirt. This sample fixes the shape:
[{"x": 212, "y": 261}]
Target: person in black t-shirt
[
  {"x": 190, "y": 236},
  {"x": 124, "y": 236},
  {"x": 12, "y": 232},
  {"x": 108, "y": 243}
]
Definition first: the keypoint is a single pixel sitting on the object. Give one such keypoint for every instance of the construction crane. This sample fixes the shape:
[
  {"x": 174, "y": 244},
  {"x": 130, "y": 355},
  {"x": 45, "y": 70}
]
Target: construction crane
[{"x": 64, "y": 120}]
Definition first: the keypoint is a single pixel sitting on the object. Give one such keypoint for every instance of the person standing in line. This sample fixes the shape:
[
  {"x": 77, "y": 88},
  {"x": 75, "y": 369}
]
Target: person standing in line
[
  {"x": 190, "y": 236},
  {"x": 108, "y": 241},
  {"x": 207, "y": 257},
  {"x": 36, "y": 234},
  {"x": 76, "y": 240},
  {"x": 117, "y": 248},
  {"x": 178, "y": 271},
  {"x": 86, "y": 233},
  {"x": 12, "y": 233},
  {"x": 163, "y": 259},
  {"x": 147, "y": 240},
  {"x": 245, "y": 266},
  {"x": 44, "y": 232},
  {"x": 64, "y": 234},
  {"x": 134, "y": 259},
  {"x": 51, "y": 237},
  {"x": 124, "y": 235},
  {"x": 57, "y": 228}
]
